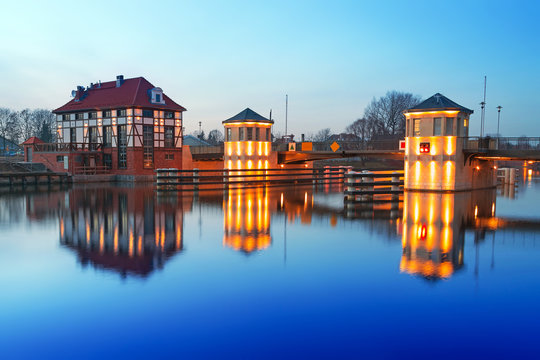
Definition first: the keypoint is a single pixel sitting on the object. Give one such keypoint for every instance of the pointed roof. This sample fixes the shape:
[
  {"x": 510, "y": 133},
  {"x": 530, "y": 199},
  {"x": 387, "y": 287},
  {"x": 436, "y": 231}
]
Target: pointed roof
[
  {"x": 131, "y": 93},
  {"x": 33, "y": 140},
  {"x": 438, "y": 102},
  {"x": 247, "y": 115}
]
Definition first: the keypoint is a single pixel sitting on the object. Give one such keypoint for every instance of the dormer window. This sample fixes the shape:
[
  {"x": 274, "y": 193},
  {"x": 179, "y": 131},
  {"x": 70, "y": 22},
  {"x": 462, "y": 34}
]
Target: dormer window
[{"x": 156, "y": 96}]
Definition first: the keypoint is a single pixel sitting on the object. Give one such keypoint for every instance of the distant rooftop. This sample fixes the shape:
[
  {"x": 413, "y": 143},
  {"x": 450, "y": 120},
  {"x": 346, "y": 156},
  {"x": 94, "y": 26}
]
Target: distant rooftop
[
  {"x": 438, "y": 102},
  {"x": 191, "y": 140},
  {"x": 247, "y": 115}
]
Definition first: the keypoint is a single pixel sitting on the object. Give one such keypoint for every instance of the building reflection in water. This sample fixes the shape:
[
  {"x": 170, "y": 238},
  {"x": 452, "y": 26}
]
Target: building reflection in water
[
  {"x": 434, "y": 229},
  {"x": 130, "y": 231}
]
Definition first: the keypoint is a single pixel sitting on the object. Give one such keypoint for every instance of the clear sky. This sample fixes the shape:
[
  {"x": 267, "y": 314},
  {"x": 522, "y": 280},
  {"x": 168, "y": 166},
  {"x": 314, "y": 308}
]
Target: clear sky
[{"x": 331, "y": 57}]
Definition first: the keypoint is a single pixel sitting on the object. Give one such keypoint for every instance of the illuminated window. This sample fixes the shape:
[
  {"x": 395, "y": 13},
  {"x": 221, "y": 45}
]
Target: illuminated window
[
  {"x": 416, "y": 127},
  {"x": 249, "y": 133},
  {"x": 437, "y": 127},
  {"x": 257, "y": 134},
  {"x": 241, "y": 134},
  {"x": 449, "y": 127}
]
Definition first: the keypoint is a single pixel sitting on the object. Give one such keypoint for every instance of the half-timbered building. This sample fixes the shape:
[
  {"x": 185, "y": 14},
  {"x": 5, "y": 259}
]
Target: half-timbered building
[{"x": 127, "y": 126}]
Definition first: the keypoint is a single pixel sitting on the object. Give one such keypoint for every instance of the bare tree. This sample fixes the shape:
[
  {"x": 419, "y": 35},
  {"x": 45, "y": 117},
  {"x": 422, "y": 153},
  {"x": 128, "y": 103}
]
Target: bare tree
[
  {"x": 8, "y": 126},
  {"x": 322, "y": 135},
  {"x": 361, "y": 128},
  {"x": 386, "y": 113},
  {"x": 215, "y": 137},
  {"x": 44, "y": 125},
  {"x": 26, "y": 124}
]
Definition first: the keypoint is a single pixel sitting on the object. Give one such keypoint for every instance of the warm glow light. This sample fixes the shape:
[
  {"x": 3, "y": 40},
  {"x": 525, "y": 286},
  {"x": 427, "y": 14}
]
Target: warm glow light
[
  {"x": 238, "y": 149},
  {"x": 266, "y": 145},
  {"x": 433, "y": 150},
  {"x": 249, "y": 148},
  {"x": 259, "y": 165},
  {"x": 492, "y": 209},
  {"x": 229, "y": 148},
  {"x": 449, "y": 112},
  {"x": 449, "y": 145},
  {"x": 238, "y": 164},
  {"x": 476, "y": 211},
  {"x": 260, "y": 148},
  {"x": 229, "y": 164},
  {"x": 249, "y": 164},
  {"x": 432, "y": 171},
  {"x": 266, "y": 164},
  {"x": 417, "y": 171},
  {"x": 477, "y": 167},
  {"x": 529, "y": 172}
]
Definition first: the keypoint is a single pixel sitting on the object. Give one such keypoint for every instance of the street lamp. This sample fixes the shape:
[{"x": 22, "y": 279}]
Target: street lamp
[{"x": 498, "y": 119}]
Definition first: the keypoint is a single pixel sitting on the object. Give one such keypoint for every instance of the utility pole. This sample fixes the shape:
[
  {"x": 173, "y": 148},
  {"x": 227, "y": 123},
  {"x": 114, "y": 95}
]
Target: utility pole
[
  {"x": 200, "y": 123},
  {"x": 483, "y": 103},
  {"x": 498, "y": 119},
  {"x": 286, "y": 113}
]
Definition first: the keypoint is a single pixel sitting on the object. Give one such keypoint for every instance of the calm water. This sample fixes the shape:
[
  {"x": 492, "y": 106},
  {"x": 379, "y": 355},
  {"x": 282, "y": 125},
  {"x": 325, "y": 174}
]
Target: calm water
[{"x": 268, "y": 273}]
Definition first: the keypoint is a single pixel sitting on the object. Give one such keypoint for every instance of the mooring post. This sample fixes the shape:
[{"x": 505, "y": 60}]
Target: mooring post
[
  {"x": 225, "y": 178},
  {"x": 395, "y": 185},
  {"x": 195, "y": 179}
]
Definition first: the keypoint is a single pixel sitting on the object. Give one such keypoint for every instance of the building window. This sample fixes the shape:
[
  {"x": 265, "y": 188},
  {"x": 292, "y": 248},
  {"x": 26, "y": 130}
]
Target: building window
[
  {"x": 79, "y": 116},
  {"x": 257, "y": 134},
  {"x": 148, "y": 146},
  {"x": 121, "y": 112},
  {"x": 169, "y": 115},
  {"x": 229, "y": 134},
  {"x": 416, "y": 127},
  {"x": 241, "y": 134},
  {"x": 449, "y": 127},
  {"x": 268, "y": 134},
  {"x": 92, "y": 137},
  {"x": 158, "y": 97},
  {"x": 92, "y": 115},
  {"x": 122, "y": 146},
  {"x": 169, "y": 156},
  {"x": 66, "y": 117},
  {"x": 107, "y": 113},
  {"x": 437, "y": 127},
  {"x": 148, "y": 113},
  {"x": 249, "y": 133},
  {"x": 59, "y": 158},
  {"x": 72, "y": 135},
  {"x": 168, "y": 136},
  {"x": 107, "y": 160},
  {"x": 107, "y": 136}
]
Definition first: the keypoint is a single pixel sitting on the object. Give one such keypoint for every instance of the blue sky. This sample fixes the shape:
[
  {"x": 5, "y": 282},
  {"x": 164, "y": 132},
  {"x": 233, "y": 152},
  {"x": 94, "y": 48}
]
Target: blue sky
[{"x": 218, "y": 57}]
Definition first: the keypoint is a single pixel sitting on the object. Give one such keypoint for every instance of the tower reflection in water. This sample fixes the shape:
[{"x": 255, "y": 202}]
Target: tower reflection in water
[
  {"x": 247, "y": 214},
  {"x": 434, "y": 229},
  {"x": 126, "y": 230}
]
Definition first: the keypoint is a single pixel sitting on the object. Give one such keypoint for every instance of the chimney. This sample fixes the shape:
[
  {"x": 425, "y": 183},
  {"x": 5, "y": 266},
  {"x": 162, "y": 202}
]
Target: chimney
[
  {"x": 79, "y": 93},
  {"x": 119, "y": 80}
]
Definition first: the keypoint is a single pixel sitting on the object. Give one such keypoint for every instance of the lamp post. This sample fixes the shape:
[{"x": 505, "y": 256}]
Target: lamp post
[{"x": 498, "y": 119}]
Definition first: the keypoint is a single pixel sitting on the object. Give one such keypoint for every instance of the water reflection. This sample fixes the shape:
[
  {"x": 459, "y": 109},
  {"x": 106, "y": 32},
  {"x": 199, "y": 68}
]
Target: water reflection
[
  {"x": 129, "y": 231},
  {"x": 434, "y": 229}
]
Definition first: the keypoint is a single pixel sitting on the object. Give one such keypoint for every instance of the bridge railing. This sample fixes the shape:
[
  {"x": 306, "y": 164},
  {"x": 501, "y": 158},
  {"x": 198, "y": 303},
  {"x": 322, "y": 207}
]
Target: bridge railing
[
  {"x": 476, "y": 143},
  {"x": 390, "y": 144}
]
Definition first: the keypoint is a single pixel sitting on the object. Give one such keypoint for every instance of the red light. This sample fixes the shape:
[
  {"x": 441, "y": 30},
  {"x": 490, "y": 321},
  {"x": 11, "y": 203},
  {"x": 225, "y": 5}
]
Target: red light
[
  {"x": 424, "y": 148},
  {"x": 422, "y": 232}
]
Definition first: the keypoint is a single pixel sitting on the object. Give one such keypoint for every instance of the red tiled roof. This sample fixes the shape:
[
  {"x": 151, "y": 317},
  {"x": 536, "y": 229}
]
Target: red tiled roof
[
  {"x": 132, "y": 93},
  {"x": 33, "y": 140}
]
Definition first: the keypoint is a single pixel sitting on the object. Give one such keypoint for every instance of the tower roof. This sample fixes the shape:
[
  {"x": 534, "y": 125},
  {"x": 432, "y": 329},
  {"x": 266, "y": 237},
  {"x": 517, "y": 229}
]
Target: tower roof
[
  {"x": 247, "y": 115},
  {"x": 438, "y": 102}
]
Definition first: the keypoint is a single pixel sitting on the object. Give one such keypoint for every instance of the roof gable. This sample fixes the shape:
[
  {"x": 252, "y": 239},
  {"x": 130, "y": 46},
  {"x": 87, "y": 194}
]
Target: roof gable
[
  {"x": 438, "y": 102},
  {"x": 131, "y": 93}
]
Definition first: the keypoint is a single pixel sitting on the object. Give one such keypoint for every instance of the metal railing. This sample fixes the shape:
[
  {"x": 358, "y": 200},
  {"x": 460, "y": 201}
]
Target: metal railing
[
  {"x": 476, "y": 143},
  {"x": 390, "y": 145}
]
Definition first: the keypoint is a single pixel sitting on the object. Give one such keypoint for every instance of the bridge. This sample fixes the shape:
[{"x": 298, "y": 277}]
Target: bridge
[{"x": 485, "y": 148}]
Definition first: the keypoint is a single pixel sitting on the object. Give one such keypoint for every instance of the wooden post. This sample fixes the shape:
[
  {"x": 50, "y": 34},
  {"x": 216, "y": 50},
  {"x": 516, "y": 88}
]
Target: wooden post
[
  {"x": 395, "y": 179},
  {"x": 225, "y": 178}
]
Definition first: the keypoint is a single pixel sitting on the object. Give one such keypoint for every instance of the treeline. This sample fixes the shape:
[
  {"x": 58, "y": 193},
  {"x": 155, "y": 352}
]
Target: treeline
[
  {"x": 18, "y": 126},
  {"x": 383, "y": 117}
]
